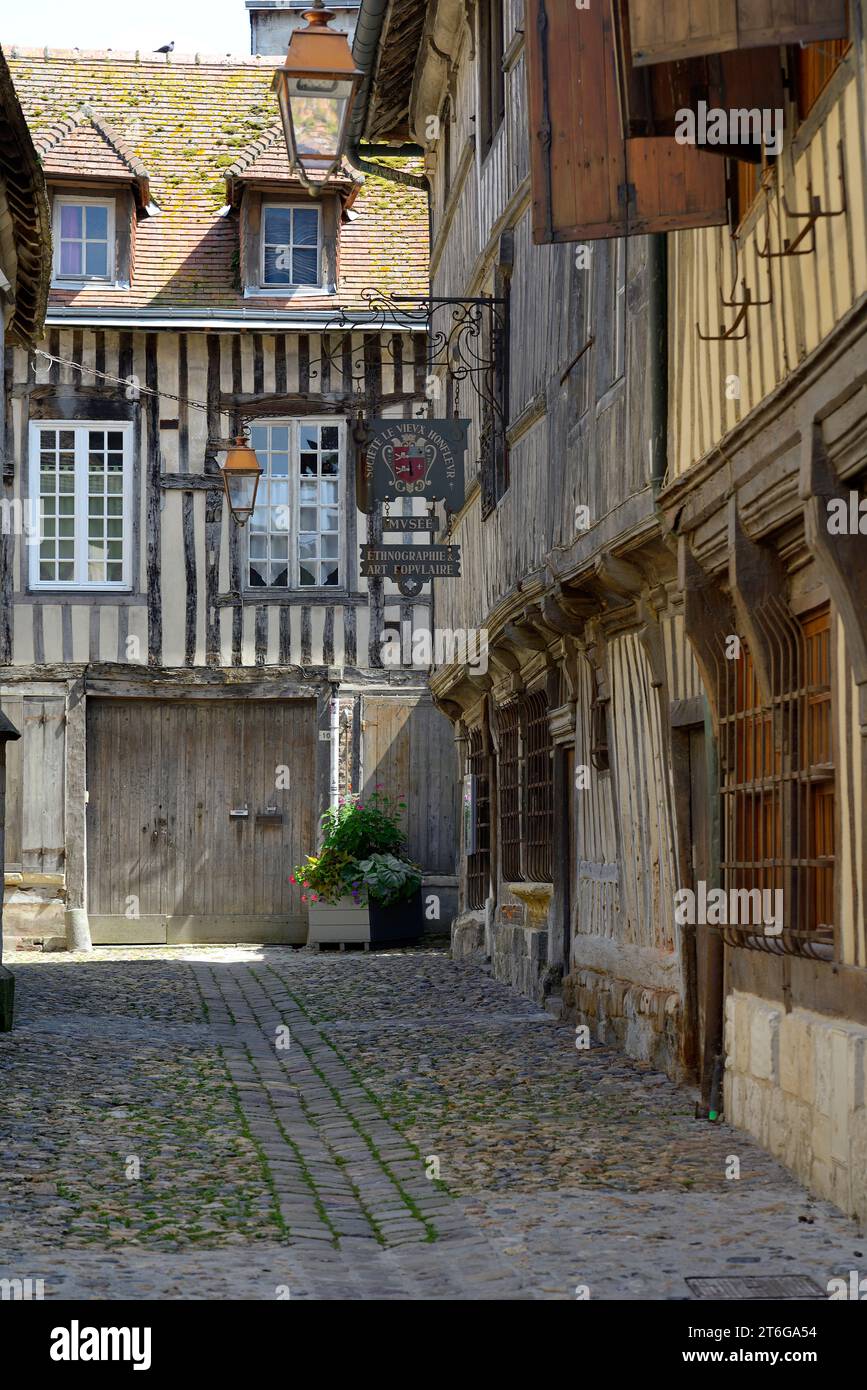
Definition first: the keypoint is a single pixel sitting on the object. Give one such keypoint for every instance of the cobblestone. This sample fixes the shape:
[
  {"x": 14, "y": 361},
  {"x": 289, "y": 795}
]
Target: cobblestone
[{"x": 263, "y": 1123}]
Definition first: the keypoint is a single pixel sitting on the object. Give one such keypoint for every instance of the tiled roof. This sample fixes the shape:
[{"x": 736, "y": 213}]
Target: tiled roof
[
  {"x": 82, "y": 143},
  {"x": 189, "y": 123}
]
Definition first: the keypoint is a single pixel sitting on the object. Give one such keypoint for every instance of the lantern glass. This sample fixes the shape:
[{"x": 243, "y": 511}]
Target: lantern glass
[
  {"x": 241, "y": 474},
  {"x": 241, "y": 489},
  {"x": 318, "y": 113}
]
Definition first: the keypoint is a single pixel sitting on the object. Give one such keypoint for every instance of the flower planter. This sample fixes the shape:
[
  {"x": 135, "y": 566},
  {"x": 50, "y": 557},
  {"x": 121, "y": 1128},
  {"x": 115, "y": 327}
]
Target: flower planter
[
  {"x": 400, "y": 922},
  {"x": 343, "y": 921}
]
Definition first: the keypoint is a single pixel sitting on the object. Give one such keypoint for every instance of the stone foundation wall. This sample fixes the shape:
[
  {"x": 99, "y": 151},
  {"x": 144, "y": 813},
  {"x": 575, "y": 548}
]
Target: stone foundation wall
[
  {"x": 517, "y": 955},
  {"x": 34, "y": 916},
  {"x": 797, "y": 1082},
  {"x": 642, "y": 1021}
]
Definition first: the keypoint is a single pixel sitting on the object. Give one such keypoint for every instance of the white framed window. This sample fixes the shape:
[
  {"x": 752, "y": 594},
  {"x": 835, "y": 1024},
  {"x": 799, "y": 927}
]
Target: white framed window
[
  {"x": 81, "y": 475},
  {"x": 296, "y": 531},
  {"x": 291, "y": 245},
  {"x": 83, "y": 238}
]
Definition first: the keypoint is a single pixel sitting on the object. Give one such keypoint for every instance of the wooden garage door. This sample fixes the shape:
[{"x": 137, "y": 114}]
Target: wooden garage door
[{"x": 167, "y": 861}]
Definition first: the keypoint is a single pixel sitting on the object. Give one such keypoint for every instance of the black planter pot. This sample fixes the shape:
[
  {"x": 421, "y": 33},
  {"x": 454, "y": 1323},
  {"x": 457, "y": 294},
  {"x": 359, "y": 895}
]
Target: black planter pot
[{"x": 400, "y": 922}]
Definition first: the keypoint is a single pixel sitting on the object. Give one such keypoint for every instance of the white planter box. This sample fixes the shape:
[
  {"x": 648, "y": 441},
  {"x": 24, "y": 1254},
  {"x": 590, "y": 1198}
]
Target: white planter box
[{"x": 342, "y": 921}]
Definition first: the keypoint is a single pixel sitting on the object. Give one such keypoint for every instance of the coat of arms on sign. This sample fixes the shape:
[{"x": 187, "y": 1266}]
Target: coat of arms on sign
[
  {"x": 417, "y": 458},
  {"x": 409, "y": 461}
]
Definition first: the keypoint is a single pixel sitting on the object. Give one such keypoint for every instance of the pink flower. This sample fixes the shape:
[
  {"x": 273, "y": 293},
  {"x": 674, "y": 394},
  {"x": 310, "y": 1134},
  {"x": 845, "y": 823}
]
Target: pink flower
[{"x": 292, "y": 878}]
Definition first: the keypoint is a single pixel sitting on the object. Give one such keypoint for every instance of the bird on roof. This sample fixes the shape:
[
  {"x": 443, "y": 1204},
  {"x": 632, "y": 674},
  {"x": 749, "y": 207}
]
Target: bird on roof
[{"x": 166, "y": 48}]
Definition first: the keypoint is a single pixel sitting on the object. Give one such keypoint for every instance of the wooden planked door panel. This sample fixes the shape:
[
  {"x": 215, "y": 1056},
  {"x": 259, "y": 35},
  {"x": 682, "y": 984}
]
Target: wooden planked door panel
[
  {"x": 163, "y": 777},
  {"x": 663, "y": 32},
  {"x": 409, "y": 750}
]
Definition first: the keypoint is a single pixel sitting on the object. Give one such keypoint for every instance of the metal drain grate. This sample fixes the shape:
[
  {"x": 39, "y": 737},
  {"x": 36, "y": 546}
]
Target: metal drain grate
[{"x": 755, "y": 1286}]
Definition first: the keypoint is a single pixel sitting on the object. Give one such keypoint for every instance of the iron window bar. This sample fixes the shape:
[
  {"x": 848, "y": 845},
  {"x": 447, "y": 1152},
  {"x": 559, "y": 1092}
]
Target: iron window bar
[{"x": 479, "y": 864}]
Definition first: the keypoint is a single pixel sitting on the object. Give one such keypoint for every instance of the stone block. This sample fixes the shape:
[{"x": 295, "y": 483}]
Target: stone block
[
  {"x": 841, "y": 1050},
  {"x": 765, "y": 1043},
  {"x": 791, "y": 1028},
  {"x": 822, "y": 1062},
  {"x": 821, "y": 1137}
]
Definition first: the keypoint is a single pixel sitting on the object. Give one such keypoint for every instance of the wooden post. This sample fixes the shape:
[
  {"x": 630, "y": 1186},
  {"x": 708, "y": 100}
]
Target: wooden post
[
  {"x": 77, "y": 923},
  {"x": 7, "y": 981}
]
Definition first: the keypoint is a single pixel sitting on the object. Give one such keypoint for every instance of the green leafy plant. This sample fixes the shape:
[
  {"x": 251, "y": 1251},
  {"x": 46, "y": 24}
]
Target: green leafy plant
[
  {"x": 361, "y": 828},
  {"x": 388, "y": 879},
  {"x": 360, "y": 855}
]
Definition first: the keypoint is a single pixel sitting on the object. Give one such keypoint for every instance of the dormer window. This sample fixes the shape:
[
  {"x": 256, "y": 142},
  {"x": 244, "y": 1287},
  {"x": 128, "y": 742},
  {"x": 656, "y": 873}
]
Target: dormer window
[
  {"x": 84, "y": 238},
  {"x": 291, "y": 244}
]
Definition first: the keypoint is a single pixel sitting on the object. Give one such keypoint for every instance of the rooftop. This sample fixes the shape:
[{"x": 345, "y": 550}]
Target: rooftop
[{"x": 179, "y": 124}]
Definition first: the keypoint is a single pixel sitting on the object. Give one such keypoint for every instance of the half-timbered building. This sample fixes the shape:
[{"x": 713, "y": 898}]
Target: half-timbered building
[
  {"x": 663, "y": 526},
  {"x": 182, "y": 682}
]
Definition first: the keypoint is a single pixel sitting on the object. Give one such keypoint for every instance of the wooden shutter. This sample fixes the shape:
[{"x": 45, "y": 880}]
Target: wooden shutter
[
  {"x": 663, "y": 30},
  {"x": 587, "y": 181},
  {"x": 650, "y": 98}
]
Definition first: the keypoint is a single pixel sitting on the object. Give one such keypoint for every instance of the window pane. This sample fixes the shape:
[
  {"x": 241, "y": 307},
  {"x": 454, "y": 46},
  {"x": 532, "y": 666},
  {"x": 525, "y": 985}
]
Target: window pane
[
  {"x": 258, "y": 570},
  {"x": 259, "y": 438},
  {"x": 279, "y": 576},
  {"x": 279, "y": 465},
  {"x": 70, "y": 221},
  {"x": 70, "y": 257},
  {"x": 96, "y": 223},
  {"x": 309, "y": 436},
  {"x": 278, "y": 226},
  {"x": 308, "y": 492},
  {"x": 96, "y": 260},
  {"x": 308, "y": 465},
  {"x": 328, "y": 492},
  {"x": 330, "y": 437},
  {"x": 280, "y": 547},
  {"x": 305, "y": 267},
  {"x": 279, "y": 439},
  {"x": 275, "y": 274},
  {"x": 306, "y": 226},
  {"x": 279, "y": 494},
  {"x": 307, "y": 547},
  {"x": 329, "y": 519},
  {"x": 329, "y": 574},
  {"x": 66, "y": 572},
  {"x": 307, "y": 575},
  {"x": 115, "y": 440},
  {"x": 308, "y": 519},
  {"x": 329, "y": 547},
  {"x": 329, "y": 464}
]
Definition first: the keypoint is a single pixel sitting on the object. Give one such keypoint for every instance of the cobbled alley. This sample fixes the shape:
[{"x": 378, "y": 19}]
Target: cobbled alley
[{"x": 267, "y": 1123}]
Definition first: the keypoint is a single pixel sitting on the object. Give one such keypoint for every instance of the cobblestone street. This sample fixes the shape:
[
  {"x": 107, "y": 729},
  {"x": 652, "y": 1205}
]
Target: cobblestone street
[{"x": 263, "y": 1123}]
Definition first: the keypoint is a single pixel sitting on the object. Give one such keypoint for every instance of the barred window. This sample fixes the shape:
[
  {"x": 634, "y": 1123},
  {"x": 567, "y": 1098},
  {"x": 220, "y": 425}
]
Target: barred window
[
  {"x": 540, "y": 791},
  {"x": 778, "y": 782},
  {"x": 526, "y": 791},
  {"x": 479, "y": 864},
  {"x": 509, "y": 789}
]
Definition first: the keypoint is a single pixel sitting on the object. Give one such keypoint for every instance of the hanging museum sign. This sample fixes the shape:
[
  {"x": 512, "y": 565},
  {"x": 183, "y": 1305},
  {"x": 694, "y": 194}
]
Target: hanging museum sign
[
  {"x": 412, "y": 561},
  {"x": 418, "y": 458},
  {"x": 405, "y": 525},
  {"x": 412, "y": 566}
]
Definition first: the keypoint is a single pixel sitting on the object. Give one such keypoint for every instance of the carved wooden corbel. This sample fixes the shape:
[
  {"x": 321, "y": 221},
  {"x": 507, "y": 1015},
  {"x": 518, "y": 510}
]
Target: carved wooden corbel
[
  {"x": 843, "y": 557},
  {"x": 619, "y": 577},
  {"x": 755, "y": 576},
  {"x": 650, "y": 637},
  {"x": 709, "y": 619}
]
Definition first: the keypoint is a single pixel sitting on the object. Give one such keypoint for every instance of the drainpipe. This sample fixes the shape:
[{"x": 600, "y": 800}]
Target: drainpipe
[
  {"x": 334, "y": 786},
  {"x": 365, "y": 47}
]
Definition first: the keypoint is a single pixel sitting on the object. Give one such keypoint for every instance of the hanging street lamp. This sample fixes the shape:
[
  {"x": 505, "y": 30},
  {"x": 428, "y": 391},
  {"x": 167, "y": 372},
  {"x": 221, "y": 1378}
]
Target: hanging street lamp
[
  {"x": 315, "y": 88},
  {"x": 241, "y": 473}
]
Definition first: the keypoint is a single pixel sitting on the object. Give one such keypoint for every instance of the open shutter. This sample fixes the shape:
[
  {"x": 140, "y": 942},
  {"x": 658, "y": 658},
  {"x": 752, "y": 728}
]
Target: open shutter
[
  {"x": 587, "y": 181},
  {"x": 651, "y": 97},
  {"x": 664, "y": 30}
]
